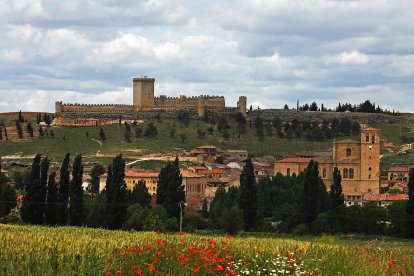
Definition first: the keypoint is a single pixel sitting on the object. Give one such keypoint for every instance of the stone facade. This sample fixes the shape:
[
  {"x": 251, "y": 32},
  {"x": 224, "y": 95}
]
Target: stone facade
[
  {"x": 144, "y": 100},
  {"x": 358, "y": 162}
]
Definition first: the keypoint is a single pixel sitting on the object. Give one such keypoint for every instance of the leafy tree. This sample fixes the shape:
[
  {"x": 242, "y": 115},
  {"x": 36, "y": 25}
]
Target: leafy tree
[
  {"x": 7, "y": 196},
  {"x": 410, "y": 207},
  {"x": 222, "y": 123},
  {"x": 204, "y": 208},
  {"x": 61, "y": 214},
  {"x": 96, "y": 172},
  {"x": 313, "y": 107},
  {"x": 396, "y": 213},
  {"x": 286, "y": 107},
  {"x": 336, "y": 195},
  {"x": 154, "y": 223},
  {"x": 116, "y": 193},
  {"x": 75, "y": 209},
  {"x": 183, "y": 137},
  {"x": 140, "y": 195},
  {"x": 248, "y": 196},
  {"x": 97, "y": 214},
  {"x": 217, "y": 205},
  {"x": 310, "y": 195},
  {"x": 135, "y": 217},
  {"x": 30, "y": 208},
  {"x": 172, "y": 132},
  {"x": 170, "y": 190},
  {"x": 184, "y": 117},
  {"x": 138, "y": 132},
  {"x": 231, "y": 221},
  {"x": 102, "y": 135},
  {"x": 200, "y": 134},
  {"x": 258, "y": 124},
  {"x": 151, "y": 131},
  {"x": 127, "y": 134},
  {"x": 51, "y": 200},
  {"x": 30, "y": 129}
]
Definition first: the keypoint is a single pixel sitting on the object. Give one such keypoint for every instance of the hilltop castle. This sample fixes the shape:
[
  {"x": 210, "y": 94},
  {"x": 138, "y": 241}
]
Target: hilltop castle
[{"x": 145, "y": 101}]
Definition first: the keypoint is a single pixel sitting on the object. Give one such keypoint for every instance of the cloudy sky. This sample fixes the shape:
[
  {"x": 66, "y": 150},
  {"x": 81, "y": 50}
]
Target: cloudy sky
[{"x": 272, "y": 51}]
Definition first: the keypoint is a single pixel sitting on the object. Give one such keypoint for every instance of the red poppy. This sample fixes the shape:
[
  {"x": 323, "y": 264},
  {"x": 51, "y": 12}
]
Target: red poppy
[
  {"x": 392, "y": 263},
  {"x": 248, "y": 264},
  {"x": 158, "y": 233},
  {"x": 139, "y": 272},
  {"x": 134, "y": 267},
  {"x": 159, "y": 254},
  {"x": 289, "y": 255},
  {"x": 108, "y": 273},
  {"x": 154, "y": 260},
  {"x": 196, "y": 269},
  {"x": 229, "y": 237},
  {"x": 119, "y": 272},
  {"x": 151, "y": 267},
  {"x": 373, "y": 260},
  {"x": 181, "y": 233},
  {"x": 122, "y": 253}
]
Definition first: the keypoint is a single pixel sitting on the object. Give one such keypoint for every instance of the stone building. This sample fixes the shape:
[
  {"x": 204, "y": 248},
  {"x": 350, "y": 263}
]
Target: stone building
[
  {"x": 358, "y": 162},
  {"x": 144, "y": 100}
]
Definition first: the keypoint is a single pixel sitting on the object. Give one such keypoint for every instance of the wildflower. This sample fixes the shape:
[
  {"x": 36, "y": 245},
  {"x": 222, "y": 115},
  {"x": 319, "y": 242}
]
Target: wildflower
[
  {"x": 128, "y": 249},
  {"x": 229, "y": 237},
  {"x": 134, "y": 267},
  {"x": 108, "y": 273},
  {"x": 159, "y": 254},
  {"x": 248, "y": 264},
  {"x": 154, "y": 260},
  {"x": 181, "y": 233},
  {"x": 119, "y": 272},
  {"x": 289, "y": 255},
  {"x": 122, "y": 252},
  {"x": 151, "y": 267},
  {"x": 139, "y": 272},
  {"x": 373, "y": 260},
  {"x": 158, "y": 233},
  {"x": 392, "y": 263},
  {"x": 196, "y": 269}
]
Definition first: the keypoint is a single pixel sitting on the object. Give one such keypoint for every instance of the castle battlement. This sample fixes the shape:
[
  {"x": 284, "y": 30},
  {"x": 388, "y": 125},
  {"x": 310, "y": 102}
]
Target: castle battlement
[{"x": 144, "y": 100}]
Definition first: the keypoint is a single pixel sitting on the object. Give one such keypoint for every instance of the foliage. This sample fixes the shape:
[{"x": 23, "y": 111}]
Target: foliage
[
  {"x": 7, "y": 198},
  {"x": 336, "y": 195},
  {"x": 139, "y": 195},
  {"x": 102, "y": 135},
  {"x": 151, "y": 130},
  {"x": 61, "y": 215},
  {"x": 96, "y": 172},
  {"x": 76, "y": 208},
  {"x": 248, "y": 196},
  {"x": 51, "y": 200},
  {"x": 410, "y": 207}
]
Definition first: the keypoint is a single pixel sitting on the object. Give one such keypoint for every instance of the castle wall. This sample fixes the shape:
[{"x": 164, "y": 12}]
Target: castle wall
[{"x": 94, "y": 108}]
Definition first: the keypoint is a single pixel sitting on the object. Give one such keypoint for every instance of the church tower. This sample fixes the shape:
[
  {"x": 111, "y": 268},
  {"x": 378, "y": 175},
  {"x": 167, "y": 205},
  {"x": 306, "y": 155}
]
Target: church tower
[
  {"x": 143, "y": 93},
  {"x": 370, "y": 160}
]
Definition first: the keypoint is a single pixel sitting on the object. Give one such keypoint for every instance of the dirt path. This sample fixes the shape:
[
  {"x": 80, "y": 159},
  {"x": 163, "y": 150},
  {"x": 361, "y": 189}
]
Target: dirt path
[{"x": 98, "y": 153}]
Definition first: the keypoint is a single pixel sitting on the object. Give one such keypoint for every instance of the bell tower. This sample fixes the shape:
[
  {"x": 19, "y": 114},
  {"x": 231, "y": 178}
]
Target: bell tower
[
  {"x": 370, "y": 160},
  {"x": 143, "y": 93}
]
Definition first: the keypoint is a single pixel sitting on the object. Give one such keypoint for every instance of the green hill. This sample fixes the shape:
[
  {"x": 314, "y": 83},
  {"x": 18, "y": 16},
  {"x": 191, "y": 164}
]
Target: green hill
[{"x": 75, "y": 141}]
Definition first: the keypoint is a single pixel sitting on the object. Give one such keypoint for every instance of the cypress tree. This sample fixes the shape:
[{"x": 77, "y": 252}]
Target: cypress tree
[
  {"x": 140, "y": 195},
  {"x": 116, "y": 194},
  {"x": 336, "y": 196},
  {"x": 248, "y": 196},
  {"x": 410, "y": 207},
  {"x": 21, "y": 118},
  {"x": 170, "y": 191},
  {"x": 44, "y": 173},
  {"x": 28, "y": 211},
  {"x": 30, "y": 129},
  {"x": 61, "y": 214},
  {"x": 96, "y": 172},
  {"x": 102, "y": 135},
  {"x": 1, "y": 134},
  {"x": 51, "y": 200},
  {"x": 75, "y": 209},
  {"x": 5, "y": 133},
  {"x": 19, "y": 130},
  {"x": 310, "y": 194},
  {"x": 204, "y": 209}
]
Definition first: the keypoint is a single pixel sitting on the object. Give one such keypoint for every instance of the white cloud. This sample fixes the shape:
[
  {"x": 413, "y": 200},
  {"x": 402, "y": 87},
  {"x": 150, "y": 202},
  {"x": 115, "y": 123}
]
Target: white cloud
[{"x": 348, "y": 58}]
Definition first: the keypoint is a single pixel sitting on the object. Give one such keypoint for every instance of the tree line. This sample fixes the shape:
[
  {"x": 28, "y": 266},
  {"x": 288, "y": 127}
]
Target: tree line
[{"x": 365, "y": 107}]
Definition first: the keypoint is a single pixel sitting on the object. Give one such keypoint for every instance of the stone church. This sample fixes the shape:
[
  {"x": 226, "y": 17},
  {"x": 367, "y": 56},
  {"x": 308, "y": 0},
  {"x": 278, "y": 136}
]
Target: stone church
[{"x": 358, "y": 162}]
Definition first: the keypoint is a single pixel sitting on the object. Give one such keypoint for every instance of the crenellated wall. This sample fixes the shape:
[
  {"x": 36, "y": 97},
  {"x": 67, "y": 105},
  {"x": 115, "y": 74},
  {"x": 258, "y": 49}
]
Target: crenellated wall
[{"x": 92, "y": 108}]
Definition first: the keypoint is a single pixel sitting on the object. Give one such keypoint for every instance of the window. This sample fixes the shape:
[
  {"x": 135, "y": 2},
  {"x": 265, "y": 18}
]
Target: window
[
  {"x": 367, "y": 138},
  {"x": 288, "y": 172},
  {"x": 345, "y": 173},
  {"x": 373, "y": 138},
  {"x": 370, "y": 169},
  {"x": 370, "y": 157},
  {"x": 369, "y": 176},
  {"x": 351, "y": 173},
  {"x": 324, "y": 173},
  {"x": 348, "y": 152}
]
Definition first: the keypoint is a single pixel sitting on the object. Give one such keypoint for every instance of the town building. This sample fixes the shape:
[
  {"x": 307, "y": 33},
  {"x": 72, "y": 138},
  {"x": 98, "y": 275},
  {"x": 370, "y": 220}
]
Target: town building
[{"x": 358, "y": 162}]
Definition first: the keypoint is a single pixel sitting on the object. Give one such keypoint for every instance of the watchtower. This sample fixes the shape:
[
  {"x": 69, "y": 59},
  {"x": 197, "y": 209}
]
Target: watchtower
[{"x": 143, "y": 93}]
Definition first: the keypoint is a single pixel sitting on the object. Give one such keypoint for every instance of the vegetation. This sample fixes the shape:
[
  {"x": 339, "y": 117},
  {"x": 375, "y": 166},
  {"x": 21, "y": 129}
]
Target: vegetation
[{"x": 80, "y": 251}]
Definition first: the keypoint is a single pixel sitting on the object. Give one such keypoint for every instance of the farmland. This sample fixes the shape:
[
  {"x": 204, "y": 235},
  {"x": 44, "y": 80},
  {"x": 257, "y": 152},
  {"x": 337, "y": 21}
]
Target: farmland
[{"x": 34, "y": 250}]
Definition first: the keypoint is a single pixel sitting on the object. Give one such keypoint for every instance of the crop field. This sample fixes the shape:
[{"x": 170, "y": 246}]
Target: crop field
[{"x": 34, "y": 250}]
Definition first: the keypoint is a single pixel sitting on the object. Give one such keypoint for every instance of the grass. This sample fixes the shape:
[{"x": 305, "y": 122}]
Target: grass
[{"x": 35, "y": 250}]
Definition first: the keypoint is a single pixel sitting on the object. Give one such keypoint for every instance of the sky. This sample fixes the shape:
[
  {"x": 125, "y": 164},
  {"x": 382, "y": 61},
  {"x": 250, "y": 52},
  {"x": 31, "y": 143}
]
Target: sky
[{"x": 275, "y": 52}]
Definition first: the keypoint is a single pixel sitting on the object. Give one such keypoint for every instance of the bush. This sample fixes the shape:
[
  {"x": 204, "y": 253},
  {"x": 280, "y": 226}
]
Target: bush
[
  {"x": 231, "y": 220},
  {"x": 151, "y": 131}
]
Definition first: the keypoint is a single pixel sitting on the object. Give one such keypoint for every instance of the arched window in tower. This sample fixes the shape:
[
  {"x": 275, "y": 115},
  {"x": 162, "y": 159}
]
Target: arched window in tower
[
  {"x": 348, "y": 152},
  {"x": 351, "y": 173},
  {"x": 345, "y": 173},
  {"x": 324, "y": 173},
  {"x": 373, "y": 138},
  {"x": 367, "y": 138},
  {"x": 370, "y": 169}
]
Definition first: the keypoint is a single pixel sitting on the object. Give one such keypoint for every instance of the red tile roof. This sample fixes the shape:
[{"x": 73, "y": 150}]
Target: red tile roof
[
  {"x": 294, "y": 160},
  {"x": 207, "y": 147},
  {"x": 188, "y": 174},
  {"x": 216, "y": 171},
  {"x": 405, "y": 169},
  {"x": 397, "y": 197}
]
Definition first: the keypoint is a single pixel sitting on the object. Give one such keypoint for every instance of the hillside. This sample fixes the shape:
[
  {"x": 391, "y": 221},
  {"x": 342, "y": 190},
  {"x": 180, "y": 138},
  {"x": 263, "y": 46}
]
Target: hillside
[{"x": 75, "y": 141}]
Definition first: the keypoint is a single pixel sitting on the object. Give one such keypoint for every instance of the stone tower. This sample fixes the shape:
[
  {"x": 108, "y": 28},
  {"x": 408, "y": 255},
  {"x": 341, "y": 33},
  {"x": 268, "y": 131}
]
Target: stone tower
[
  {"x": 242, "y": 105},
  {"x": 370, "y": 160},
  {"x": 143, "y": 94}
]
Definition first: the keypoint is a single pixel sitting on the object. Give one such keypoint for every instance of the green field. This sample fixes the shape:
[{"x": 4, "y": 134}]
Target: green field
[
  {"x": 75, "y": 141},
  {"x": 34, "y": 250}
]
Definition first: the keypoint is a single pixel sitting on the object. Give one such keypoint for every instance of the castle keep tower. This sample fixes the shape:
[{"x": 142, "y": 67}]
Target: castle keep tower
[{"x": 143, "y": 94}]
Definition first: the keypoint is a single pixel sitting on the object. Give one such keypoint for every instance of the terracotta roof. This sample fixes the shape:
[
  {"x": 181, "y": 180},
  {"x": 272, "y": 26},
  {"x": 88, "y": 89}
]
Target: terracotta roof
[
  {"x": 188, "y": 174},
  {"x": 397, "y": 197},
  {"x": 216, "y": 171},
  {"x": 294, "y": 160},
  {"x": 374, "y": 197},
  {"x": 201, "y": 168},
  {"x": 142, "y": 174},
  {"x": 352, "y": 194}
]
